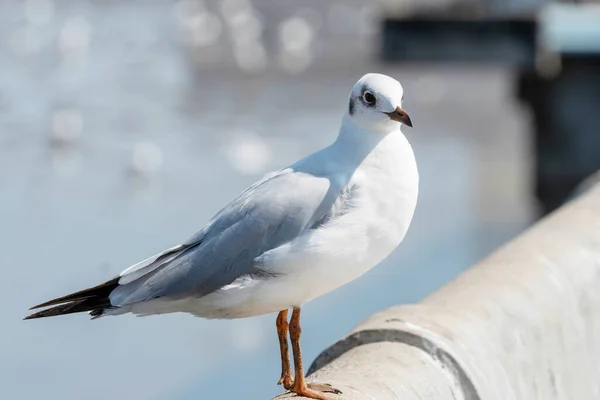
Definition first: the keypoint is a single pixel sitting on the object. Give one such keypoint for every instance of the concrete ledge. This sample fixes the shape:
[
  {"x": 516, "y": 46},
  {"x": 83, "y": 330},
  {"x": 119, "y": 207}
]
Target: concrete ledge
[{"x": 522, "y": 324}]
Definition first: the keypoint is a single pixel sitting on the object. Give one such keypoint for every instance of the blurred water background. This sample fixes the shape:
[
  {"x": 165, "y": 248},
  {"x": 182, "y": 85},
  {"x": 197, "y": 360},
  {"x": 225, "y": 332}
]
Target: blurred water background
[{"x": 124, "y": 126}]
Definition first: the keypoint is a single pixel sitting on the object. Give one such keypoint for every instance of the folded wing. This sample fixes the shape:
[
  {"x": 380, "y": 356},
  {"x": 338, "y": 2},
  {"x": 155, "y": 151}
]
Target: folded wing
[{"x": 260, "y": 219}]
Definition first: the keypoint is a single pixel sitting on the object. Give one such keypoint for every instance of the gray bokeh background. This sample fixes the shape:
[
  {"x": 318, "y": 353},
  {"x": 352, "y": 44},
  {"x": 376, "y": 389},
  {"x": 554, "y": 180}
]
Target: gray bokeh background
[{"x": 125, "y": 125}]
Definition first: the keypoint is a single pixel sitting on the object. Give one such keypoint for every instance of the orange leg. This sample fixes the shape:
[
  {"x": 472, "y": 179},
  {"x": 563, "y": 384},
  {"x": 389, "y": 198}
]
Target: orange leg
[
  {"x": 313, "y": 391},
  {"x": 282, "y": 332}
]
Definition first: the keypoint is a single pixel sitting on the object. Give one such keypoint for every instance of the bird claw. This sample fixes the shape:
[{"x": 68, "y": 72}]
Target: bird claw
[
  {"x": 318, "y": 391},
  {"x": 287, "y": 382},
  {"x": 323, "y": 387}
]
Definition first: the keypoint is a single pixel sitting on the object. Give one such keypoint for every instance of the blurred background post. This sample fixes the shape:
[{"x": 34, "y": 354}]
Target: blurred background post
[{"x": 124, "y": 126}]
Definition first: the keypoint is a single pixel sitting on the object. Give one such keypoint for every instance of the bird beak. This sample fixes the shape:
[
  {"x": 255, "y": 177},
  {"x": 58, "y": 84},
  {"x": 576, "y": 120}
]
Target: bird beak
[{"x": 401, "y": 116}]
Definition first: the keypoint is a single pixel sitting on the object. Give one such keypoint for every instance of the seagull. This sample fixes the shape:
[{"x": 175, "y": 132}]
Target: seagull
[{"x": 295, "y": 235}]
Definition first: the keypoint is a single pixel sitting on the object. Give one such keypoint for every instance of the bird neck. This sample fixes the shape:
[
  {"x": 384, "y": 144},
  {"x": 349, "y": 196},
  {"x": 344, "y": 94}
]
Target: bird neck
[{"x": 357, "y": 142}]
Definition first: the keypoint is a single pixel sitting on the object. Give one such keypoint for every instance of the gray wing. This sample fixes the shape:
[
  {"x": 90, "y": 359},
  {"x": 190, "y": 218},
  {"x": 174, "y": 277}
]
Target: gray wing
[{"x": 266, "y": 215}]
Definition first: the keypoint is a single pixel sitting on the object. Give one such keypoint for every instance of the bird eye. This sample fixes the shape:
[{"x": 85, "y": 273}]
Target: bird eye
[{"x": 369, "y": 98}]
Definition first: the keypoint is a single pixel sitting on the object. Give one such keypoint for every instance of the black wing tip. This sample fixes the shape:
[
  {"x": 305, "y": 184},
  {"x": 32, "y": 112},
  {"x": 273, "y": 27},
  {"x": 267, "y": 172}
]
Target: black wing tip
[
  {"x": 34, "y": 316},
  {"x": 94, "y": 306},
  {"x": 102, "y": 290},
  {"x": 51, "y": 312},
  {"x": 94, "y": 300},
  {"x": 55, "y": 302},
  {"x": 95, "y": 313}
]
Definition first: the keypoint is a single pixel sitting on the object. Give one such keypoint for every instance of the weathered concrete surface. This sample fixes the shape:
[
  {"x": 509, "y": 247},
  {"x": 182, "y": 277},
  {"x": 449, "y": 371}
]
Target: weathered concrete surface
[{"x": 522, "y": 324}]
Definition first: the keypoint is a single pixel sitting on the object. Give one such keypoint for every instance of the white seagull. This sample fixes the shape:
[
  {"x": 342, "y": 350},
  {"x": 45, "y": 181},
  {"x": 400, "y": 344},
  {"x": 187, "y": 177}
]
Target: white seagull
[{"x": 295, "y": 235}]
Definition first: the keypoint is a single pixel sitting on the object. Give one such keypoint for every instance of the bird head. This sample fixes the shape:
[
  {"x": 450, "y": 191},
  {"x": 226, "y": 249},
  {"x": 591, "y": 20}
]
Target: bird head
[{"x": 375, "y": 104}]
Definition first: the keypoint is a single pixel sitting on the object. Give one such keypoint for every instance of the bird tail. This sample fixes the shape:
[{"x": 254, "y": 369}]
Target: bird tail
[{"x": 93, "y": 300}]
